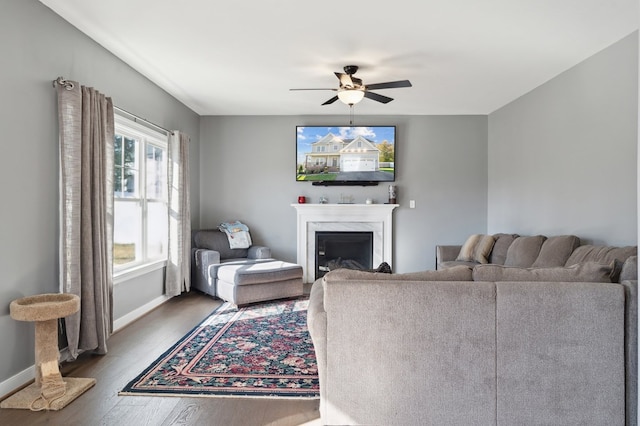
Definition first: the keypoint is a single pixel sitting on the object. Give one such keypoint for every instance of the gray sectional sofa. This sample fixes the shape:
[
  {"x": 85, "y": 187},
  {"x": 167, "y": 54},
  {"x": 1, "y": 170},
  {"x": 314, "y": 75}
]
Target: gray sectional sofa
[
  {"x": 482, "y": 344},
  {"x": 535, "y": 251}
]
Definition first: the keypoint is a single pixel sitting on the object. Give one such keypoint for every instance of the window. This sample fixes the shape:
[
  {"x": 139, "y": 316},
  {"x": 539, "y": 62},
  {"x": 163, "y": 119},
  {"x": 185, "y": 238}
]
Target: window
[{"x": 140, "y": 225}]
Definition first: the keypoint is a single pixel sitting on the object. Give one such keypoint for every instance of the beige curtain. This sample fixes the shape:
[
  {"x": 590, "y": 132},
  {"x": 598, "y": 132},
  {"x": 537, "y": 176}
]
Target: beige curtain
[
  {"x": 178, "y": 262},
  {"x": 86, "y": 127}
]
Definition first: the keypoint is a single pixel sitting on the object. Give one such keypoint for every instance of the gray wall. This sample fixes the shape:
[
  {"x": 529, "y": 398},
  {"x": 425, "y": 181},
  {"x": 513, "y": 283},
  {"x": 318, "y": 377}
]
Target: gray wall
[
  {"x": 563, "y": 158},
  {"x": 248, "y": 173},
  {"x": 37, "y": 46}
]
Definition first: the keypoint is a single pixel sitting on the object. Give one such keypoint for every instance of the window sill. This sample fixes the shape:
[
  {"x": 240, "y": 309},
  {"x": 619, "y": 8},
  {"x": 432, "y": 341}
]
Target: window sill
[{"x": 137, "y": 271}]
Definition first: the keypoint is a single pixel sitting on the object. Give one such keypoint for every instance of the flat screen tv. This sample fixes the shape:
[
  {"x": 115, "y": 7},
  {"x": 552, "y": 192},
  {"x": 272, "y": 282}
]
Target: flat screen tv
[{"x": 347, "y": 155}]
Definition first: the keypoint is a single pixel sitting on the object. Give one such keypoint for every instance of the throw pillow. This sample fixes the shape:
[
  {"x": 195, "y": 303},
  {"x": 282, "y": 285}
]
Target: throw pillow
[
  {"x": 476, "y": 249},
  {"x": 468, "y": 248},
  {"x": 582, "y": 272},
  {"x": 483, "y": 248}
]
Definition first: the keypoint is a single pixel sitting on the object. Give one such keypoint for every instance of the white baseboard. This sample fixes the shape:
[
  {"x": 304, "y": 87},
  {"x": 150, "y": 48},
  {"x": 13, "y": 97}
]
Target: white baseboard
[
  {"x": 17, "y": 381},
  {"x": 137, "y": 313},
  {"x": 22, "y": 378}
]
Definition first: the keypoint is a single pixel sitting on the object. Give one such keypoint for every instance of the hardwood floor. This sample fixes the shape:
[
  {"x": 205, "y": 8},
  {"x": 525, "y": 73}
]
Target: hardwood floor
[{"x": 130, "y": 351}]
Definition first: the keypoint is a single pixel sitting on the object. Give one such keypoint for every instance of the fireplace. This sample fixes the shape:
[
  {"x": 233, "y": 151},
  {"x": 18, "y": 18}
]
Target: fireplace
[
  {"x": 314, "y": 218},
  {"x": 351, "y": 250}
]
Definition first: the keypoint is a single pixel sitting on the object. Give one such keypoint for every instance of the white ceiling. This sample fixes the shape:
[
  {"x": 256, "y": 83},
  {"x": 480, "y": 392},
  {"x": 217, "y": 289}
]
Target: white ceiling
[{"x": 242, "y": 57}]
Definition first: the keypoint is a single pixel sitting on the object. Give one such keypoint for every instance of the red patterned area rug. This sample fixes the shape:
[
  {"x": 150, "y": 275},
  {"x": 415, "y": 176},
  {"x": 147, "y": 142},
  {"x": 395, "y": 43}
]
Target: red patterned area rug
[{"x": 261, "y": 350}]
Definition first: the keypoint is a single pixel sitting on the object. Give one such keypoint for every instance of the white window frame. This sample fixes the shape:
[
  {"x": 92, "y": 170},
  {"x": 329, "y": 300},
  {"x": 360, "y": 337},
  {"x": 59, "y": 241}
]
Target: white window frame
[{"x": 132, "y": 129}]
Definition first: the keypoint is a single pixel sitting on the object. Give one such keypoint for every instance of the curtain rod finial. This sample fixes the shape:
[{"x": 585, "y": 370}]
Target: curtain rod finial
[{"x": 61, "y": 81}]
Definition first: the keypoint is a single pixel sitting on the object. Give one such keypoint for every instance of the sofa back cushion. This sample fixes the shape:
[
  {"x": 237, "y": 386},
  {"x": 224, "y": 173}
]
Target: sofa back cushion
[
  {"x": 556, "y": 250},
  {"x": 499, "y": 253},
  {"x": 524, "y": 251},
  {"x": 583, "y": 272},
  {"x": 218, "y": 241},
  {"x": 455, "y": 273},
  {"x": 602, "y": 254}
]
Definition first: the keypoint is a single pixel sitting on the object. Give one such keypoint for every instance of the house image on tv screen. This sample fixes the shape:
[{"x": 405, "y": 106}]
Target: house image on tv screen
[
  {"x": 340, "y": 158},
  {"x": 357, "y": 155}
]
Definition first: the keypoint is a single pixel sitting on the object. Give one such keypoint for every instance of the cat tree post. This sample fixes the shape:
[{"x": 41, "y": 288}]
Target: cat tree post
[{"x": 50, "y": 391}]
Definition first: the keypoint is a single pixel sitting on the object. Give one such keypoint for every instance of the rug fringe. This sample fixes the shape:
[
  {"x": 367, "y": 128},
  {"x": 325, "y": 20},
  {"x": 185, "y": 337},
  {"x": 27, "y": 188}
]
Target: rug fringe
[{"x": 210, "y": 395}]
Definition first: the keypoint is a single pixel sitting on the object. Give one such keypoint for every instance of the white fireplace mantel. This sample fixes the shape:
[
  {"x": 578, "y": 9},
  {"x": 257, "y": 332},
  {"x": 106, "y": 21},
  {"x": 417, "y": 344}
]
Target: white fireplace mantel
[{"x": 312, "y": 218}]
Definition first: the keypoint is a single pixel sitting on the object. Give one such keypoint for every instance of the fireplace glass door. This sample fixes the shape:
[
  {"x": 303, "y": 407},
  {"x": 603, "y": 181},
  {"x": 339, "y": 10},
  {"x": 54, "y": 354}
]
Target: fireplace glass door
[{"x": 351, "y": 250}]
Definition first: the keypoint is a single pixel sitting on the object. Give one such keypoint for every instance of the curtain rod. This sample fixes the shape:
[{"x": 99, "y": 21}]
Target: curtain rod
[
  {"x": 136, "y": 118},
  {"x": 69, "y": 86}
]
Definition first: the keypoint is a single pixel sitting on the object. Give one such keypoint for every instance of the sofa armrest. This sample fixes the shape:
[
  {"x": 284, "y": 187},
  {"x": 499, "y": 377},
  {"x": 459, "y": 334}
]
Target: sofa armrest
[
  {"x": 204, "y": 257},
  {"x": 446, "y": 254},
  {"x": 317, "y": 324},
  {"x": 202, "y": 260},
  {"x": 259, "y": 252}
]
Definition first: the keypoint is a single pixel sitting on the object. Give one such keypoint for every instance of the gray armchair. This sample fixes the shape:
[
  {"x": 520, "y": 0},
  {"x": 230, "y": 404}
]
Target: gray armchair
[{"x": 210, "y": 249}]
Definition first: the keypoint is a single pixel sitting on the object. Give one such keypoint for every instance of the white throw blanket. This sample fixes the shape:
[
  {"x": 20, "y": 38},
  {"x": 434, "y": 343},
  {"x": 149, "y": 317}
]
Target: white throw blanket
[{"x": 237, "y": 233}]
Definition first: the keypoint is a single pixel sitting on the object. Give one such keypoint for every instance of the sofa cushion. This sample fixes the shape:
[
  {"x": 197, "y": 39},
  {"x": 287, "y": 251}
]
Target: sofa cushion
[
  {"x": 258, "y": 272},
  {"x": 556, "y": 250},
  {"x": 456, "y": 273},
  {"x": 499, "y": 252},
  {"x": 476, "y": 249},
  {"x": 524, "y": 251},
  {"x": 602, "y": 254},
  {"x": 453, "y": 263},
  {"x": 582, "y": 272},
  {"x": 218, "y": 241}
]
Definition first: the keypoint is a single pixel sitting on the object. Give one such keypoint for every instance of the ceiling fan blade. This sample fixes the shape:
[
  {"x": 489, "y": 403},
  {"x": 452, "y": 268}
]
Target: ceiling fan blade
[
  {"x": 377, "y": 97},
  {"x": 332, "y": 100},
  {"x": 345, "y": 79},
  {"x": 389, "y": 85}
]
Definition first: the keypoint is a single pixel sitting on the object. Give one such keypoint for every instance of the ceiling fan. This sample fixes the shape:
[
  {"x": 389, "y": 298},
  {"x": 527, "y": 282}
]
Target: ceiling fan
[{"x": 351, "y": 90}]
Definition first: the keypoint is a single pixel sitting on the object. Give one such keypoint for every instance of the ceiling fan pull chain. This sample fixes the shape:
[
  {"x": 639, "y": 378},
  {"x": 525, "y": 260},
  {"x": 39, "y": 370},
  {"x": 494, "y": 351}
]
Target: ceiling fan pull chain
[{"x": 351, "y": 115}]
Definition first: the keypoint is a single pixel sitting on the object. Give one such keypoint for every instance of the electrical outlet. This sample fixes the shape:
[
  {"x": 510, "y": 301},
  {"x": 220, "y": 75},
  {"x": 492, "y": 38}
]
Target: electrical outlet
[{"x": 412, "y": 204}]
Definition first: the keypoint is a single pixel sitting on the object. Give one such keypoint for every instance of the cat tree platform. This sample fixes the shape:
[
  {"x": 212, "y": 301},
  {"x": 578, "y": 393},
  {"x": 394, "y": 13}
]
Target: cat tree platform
[{"x": 49, "y": 391}]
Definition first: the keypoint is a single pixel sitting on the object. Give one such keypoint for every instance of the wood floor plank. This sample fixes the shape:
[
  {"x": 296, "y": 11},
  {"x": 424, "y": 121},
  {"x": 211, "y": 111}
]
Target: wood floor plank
[{"x": 132, "y": 349}]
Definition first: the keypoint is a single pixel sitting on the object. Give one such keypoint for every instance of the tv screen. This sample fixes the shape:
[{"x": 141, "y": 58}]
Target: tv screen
[{"x": 356, "y": 155}]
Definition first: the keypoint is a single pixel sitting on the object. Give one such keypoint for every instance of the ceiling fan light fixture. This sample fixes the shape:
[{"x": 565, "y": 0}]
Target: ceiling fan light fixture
[{"x": 350, "y": 96}]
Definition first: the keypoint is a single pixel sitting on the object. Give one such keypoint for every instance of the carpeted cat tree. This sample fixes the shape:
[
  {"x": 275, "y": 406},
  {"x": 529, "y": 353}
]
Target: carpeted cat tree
[{"x": 50, "y": 391}]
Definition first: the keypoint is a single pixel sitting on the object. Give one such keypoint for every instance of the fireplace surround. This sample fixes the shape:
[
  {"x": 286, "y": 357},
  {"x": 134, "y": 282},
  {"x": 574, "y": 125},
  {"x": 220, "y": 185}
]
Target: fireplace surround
[{"x": 312, "y": 218}]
